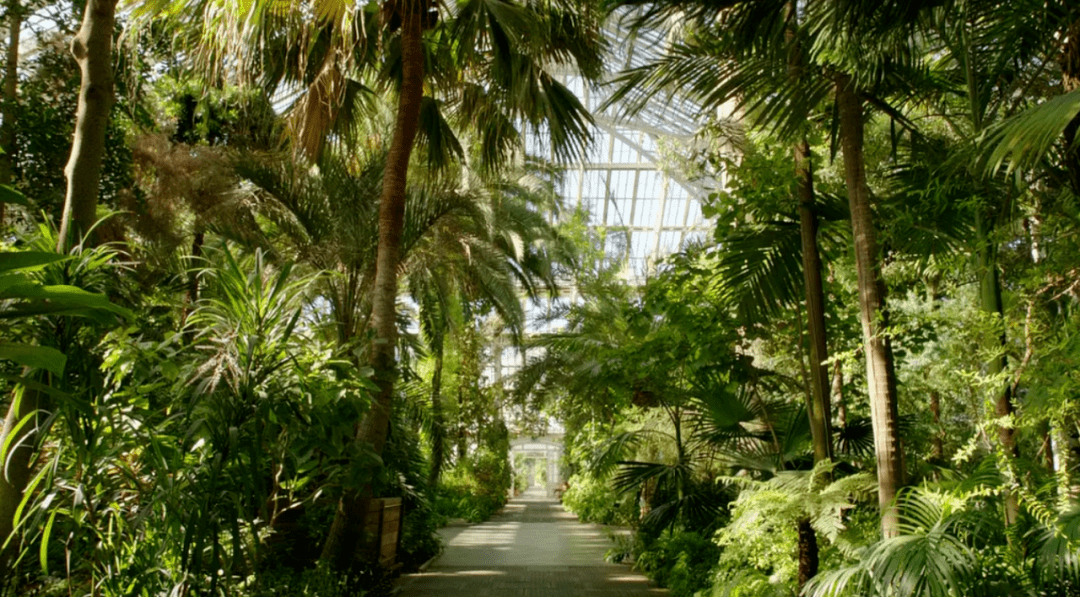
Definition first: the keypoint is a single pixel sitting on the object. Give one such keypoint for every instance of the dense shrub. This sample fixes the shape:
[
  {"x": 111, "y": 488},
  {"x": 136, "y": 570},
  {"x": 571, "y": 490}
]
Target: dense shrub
[
  {"x": 419, "y": 541},
  {"x": 679, "y": 560},
  {"x": 476, "y": 488},
  {"x": 593, "y": 501}
]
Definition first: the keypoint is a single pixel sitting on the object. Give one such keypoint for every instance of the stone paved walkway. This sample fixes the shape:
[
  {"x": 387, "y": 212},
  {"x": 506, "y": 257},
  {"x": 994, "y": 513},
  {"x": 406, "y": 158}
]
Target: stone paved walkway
[{"x": 533, "y": 548}]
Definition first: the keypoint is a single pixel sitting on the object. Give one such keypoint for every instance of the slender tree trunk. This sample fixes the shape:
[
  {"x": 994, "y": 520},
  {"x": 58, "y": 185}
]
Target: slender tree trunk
[
  {"x": 880, "y": 374},
  {"x": 937, "y": 442},
  {"x": 937, "y": 446},
  {"x": 438, "y": 432},
  {"x": 1032, "y": 226},
  {"x": 838, "y": 394},
  {"x": 1046, "y": 446},
  {"x": 28, "y": 408},
  {"x": 462, "y": 431},
  {"x": 819, "y": 409},
  {"x": 10, "y": 102},
  {"x": 347, "y": 527},
  {"x": 193, "y": 282},
  {"x": 990, "y": 302},
  {"x": 1070, "y": 79},
  {"x": 1062, "y": 456},
  {"x": 92, "y": 48}
]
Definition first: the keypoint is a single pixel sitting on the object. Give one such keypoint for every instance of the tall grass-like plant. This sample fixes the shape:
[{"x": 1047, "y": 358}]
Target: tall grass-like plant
[
  {"x": 196, "y": 449},
  {"x": 55, "y": 306},
  {"x": 260, "y": 398}
]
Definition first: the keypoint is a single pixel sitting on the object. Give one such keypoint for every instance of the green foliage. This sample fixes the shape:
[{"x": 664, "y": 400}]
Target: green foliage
[
  {"x": 213, "y": 444},
  {"x": 679, "y": 560},
  {"x": 477, "y": 487},
  {"x": 593, "y": 500}
]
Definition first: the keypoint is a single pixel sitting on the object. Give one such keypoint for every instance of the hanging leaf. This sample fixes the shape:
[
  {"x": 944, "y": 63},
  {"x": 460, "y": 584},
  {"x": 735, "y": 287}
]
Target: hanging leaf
[
  {"x": 10, "y": 195},
  {"x": 38, "y": 357}
]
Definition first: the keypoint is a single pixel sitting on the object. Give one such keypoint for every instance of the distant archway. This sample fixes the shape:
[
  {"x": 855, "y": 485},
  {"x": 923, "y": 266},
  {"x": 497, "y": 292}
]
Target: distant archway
[{"x": 542, "y": 457}]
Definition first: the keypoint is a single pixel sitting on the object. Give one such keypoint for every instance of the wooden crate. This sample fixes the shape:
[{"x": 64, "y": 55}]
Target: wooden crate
[{"x": 382, "y": 530}]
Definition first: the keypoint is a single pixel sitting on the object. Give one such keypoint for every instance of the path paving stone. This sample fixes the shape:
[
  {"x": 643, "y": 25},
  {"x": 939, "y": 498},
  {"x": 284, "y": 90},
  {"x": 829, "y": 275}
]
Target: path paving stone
[{"x": 533, "y": 548}]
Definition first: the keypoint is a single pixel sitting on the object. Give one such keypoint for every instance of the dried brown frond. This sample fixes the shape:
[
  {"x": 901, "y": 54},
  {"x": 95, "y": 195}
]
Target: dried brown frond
[{"x": 182, "y": 185}]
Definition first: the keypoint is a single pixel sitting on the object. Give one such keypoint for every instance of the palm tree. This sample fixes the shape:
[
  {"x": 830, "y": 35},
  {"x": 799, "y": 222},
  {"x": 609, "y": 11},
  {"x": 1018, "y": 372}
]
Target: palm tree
[
  {"x": 483, "y": 240},
  {"x": 509, "y": 47},
  {"x": 762, "y": 51},
  {"x": 512, "y": 250},
  {"x": 748, "y": 62}
]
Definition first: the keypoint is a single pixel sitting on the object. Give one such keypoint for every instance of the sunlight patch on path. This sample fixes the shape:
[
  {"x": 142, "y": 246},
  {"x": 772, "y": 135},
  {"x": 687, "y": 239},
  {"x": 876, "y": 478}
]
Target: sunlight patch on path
[{"x": 533, "y": 548}]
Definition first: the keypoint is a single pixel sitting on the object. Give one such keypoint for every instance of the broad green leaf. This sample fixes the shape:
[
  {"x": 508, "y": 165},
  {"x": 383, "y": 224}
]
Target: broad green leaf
[
  {"x": 27, "y": 260},
  {"x": 39, "y": 387},
  {"x": 10, "y": 195},
  {"x": 40, "y": 357},
  {"x": 59, "y": 295}
]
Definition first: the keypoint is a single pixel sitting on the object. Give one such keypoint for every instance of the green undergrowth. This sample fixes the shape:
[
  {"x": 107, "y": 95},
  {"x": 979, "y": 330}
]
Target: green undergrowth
[
  {"x": 475, "y": 489},
  {"x": 594, "y": 501}
]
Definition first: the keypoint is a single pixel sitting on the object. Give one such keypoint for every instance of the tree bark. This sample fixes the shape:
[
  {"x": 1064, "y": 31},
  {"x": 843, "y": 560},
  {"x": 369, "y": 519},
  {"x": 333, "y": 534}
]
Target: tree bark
[
  {"x": 808, "y": 553},
  {"x": 937, "y": 445},
  {"x": 462, "y": 431},
  {"x": 347, "y": 527},
  {"x": 880, "y": 374},
  {"x": 819, "y": 409},
  {"x": 838, "y": 394},
  {"x": 438, "y": 433},
  {"x": 990, "y": 302},
  {"x": 92, "y": 48},
  {"x": 1070, "y": 79},
  {"x": 10, "y": 102},
  {"x": 1046, "y": 445}
]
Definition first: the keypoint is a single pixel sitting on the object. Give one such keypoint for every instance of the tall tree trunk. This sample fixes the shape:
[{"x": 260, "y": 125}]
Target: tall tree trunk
[
  {"x": 438, "y": 432},
  {"x": 819, "y": 409},
  {"x": 27, "y": 407},
  {"x": 808, "y": 553},
  {"x": 880, "y": 374},
  {"x": 462, "y": 431},
  {"x": 991, "y": 304},
  {"x": 1046, "y": 445},
  {"x": 1063, "y": 462},
  {"x": 1070, "y": 79},
  {"x": 92, "y": 48},
  {"x": 937, "y": 446},
  {"x": 347, "y": 527},
  {"x": 9, "y": 103},
  {"x": 838, "y": 394},
  {"x": 937, "y": 442}
]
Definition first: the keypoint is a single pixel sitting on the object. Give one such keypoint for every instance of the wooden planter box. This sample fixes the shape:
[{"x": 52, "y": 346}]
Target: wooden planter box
[{"x": 382, "y": 531}]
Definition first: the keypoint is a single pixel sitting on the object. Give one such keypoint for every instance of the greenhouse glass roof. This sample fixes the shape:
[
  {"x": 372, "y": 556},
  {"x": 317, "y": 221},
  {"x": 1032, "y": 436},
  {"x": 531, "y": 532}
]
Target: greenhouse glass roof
[{"x": 628, "y": 182}]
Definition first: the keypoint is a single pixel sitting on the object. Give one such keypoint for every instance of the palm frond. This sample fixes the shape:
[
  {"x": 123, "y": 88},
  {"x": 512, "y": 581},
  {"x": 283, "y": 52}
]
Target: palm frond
[{"x": 1024, "y": 140}]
